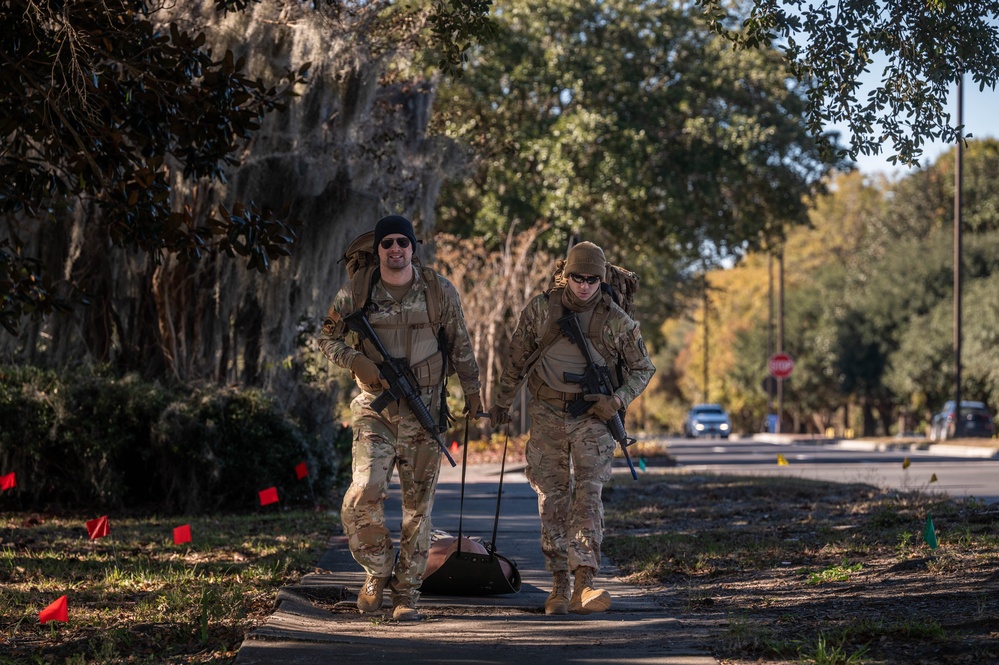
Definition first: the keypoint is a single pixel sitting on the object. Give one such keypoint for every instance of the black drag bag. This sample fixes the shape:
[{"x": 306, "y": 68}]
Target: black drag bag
[{"x": 465, "y": 567}]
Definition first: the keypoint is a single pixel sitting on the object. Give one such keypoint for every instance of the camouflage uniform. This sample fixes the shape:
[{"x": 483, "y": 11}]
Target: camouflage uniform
[
  {"x": 569, "y": 459},
  {"x": 394, "y": 438}
]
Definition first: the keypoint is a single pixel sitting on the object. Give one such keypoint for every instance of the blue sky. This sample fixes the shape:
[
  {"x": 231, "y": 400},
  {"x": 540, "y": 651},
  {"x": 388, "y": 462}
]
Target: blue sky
[{"x": 981, "y": 118}]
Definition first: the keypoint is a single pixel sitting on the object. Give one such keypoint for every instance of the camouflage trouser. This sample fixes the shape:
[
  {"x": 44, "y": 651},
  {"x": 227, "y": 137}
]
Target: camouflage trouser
[
  {"x": 381, "y": 442},
  {"x": 569, "y": 497}
]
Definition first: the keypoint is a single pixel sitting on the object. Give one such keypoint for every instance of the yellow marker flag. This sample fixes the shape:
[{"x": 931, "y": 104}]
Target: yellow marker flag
[
  {"x": 930, "y": 533},
  {"x": 933, "y": 478},
  {"x": 781, "y": 460},
  {"x": 906, "y": 463}
]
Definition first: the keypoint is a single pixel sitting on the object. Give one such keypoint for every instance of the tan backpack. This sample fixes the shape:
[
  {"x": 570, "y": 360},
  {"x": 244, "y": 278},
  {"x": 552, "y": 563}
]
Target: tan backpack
[{"x": 621, "y": 284}]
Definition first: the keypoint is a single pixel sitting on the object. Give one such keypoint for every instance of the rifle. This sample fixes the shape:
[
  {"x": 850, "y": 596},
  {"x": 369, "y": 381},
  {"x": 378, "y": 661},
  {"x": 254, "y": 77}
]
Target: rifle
[
  {"x": 595, "y": 379},
  {"x": 400, "y": 377}
]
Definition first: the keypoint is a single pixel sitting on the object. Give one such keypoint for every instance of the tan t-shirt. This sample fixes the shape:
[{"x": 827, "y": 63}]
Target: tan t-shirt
[{"x": 564, "y": 356}]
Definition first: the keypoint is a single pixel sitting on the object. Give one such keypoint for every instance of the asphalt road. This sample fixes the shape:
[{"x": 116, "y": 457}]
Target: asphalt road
[{"x": 957, "y": 475}]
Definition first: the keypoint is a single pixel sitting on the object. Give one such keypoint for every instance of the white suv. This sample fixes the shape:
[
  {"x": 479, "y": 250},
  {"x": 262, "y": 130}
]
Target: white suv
[{"x": 707, "y": 420}]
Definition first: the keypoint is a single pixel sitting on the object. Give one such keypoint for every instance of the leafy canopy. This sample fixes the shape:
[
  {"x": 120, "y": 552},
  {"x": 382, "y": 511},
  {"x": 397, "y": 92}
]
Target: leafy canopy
[
  {"x": 632, "y": 125},
  {"x": 106, "y": 105},
  {"x": 908, "y": 53}
]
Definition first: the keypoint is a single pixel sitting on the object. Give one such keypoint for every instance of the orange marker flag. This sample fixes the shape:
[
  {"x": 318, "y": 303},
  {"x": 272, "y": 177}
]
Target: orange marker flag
[
  {"x": 56, "y": 611},
  {"x": 301, "y": 470},
  {"x": 182, "y": 534},
  {"x": 781, "y": 460},
  {"x": 98, "y": 528},
  {"x": 454, "y": 446},
  {"x": 268, "y": 496},
  {"x": 8, "y": 482}
]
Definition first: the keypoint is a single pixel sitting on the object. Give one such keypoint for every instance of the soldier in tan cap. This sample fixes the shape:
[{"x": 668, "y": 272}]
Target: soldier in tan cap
[
  {"x": 417, "y": 315},
  {"x": 569, "y": 458}
]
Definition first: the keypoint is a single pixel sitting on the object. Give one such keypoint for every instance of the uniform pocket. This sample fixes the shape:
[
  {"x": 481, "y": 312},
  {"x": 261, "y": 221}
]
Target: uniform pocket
[{"x": 428, "y": 371}]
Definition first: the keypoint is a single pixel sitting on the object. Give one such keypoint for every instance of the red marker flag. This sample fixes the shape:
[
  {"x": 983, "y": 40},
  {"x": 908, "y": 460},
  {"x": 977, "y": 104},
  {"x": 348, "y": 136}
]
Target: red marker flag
[
  {"x": 8, "y": 482},
  {"x": 182, "y": 534},
  {"x": 301, "y": 470},
  {"x": 98, "y": 528},
  {"x": 57, "y": 611},
  {"x": 268, "y": 496}
]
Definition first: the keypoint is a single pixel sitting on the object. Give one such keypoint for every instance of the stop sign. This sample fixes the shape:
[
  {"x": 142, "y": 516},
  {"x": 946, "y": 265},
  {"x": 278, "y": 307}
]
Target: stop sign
[{"x": 781, "y": 365}]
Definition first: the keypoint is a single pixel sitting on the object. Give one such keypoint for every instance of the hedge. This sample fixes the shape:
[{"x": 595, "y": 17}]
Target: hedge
[{"x": 89, "y": 440}]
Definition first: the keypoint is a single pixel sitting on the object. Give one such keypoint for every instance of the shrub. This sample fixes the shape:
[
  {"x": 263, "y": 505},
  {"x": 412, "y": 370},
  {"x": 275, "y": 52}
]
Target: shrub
[{"x": 87, "y": 439}]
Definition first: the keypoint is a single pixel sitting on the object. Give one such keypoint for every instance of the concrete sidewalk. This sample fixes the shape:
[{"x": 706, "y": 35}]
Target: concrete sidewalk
[{"x": 316, "y": 621}]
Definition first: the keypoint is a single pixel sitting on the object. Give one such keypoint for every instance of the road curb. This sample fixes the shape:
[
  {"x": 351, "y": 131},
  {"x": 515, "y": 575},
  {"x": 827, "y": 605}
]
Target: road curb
[{"x": 942, "y": 449}]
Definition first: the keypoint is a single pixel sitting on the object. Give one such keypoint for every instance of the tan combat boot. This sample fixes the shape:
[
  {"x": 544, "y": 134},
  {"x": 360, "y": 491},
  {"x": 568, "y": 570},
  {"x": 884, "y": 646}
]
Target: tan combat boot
[
  {"x": 404, "y": 609},
  {"x": 558, "y": 599},
  {"x": 370, "y": 597},
  {"x": 586, "y": 599}
]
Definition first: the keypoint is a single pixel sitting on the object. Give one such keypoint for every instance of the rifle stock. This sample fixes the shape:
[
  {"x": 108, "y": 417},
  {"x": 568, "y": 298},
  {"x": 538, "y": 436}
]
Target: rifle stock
[
  {"x": 399, "y": 375},
  {"x": 595, "y": 380}
]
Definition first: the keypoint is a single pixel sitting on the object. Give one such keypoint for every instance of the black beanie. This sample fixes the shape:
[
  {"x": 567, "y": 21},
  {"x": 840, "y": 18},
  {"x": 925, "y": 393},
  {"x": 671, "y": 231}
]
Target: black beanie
[{"x": 394, "y": 224}]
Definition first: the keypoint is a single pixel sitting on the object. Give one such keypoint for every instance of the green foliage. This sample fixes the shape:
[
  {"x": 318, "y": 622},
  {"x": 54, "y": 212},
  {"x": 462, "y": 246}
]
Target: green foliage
[
  {"x": 89, "y": 439},
  {"x": 869, "y": 299},
  {"x": 455, "y": 24},
  {"x": 629, "y": 124},
  {"x": 918, "y": 48},
  {"x": 826, "y": 654},
  {"x": 100, "y": 104},
  {"x": 834, "y": 573}
]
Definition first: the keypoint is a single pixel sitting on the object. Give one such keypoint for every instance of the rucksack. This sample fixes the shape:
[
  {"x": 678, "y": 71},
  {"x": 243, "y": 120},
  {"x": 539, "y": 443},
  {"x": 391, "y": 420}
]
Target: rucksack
[{"x": 621, "y": 284}]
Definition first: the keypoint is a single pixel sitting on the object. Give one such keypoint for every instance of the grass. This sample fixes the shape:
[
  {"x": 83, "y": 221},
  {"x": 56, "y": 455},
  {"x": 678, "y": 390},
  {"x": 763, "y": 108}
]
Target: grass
[
  {"x": 790, "y": 570},
  {"x": 136, "y": 597}
]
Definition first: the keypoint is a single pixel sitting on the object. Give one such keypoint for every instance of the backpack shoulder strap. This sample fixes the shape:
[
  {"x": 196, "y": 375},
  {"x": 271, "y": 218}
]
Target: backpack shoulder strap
[
  {"x": 361, "y": 284},
  {"x": 552, "y": 332},
  {"x": 435, "y": 296}
]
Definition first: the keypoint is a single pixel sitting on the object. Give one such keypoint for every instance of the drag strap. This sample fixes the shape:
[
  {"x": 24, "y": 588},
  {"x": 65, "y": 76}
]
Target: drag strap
[
  {"x": 464, "y": 465},
  {"x": 499, "y": 492}
]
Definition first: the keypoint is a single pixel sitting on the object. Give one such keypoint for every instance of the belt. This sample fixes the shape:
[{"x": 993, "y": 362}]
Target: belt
[{"x": 556, "y": 399}]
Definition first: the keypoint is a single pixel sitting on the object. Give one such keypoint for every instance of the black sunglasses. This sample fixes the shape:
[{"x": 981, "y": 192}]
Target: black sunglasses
[
  {"x": 402, "y": 242},
  {"x": 580, "y": 279}
]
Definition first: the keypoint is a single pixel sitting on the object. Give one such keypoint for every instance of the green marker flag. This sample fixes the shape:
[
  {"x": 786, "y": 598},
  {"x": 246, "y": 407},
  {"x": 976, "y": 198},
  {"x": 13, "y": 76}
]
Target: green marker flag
[
  {"x": 641, "y": 463},
  {"x": 930, "y": 534}
]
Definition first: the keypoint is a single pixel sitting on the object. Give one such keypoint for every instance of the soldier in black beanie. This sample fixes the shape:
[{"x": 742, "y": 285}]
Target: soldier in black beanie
[{"x": 417, "y": 315}]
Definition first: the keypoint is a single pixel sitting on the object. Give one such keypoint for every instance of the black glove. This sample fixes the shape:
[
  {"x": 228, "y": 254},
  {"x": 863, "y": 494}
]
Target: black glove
[
  {"x": 604, "y": 406},
  {"x": 498, "y": 415}
]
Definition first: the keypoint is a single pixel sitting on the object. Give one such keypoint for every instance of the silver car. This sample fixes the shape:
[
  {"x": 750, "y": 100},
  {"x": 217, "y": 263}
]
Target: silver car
[{"x": 707, "y": 420}]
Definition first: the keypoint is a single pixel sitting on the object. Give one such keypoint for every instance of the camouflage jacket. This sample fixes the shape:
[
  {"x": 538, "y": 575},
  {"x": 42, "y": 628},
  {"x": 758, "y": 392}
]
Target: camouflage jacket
[
  {"x": 621, "y": 337},
  {"x": 341, "y": 346}
]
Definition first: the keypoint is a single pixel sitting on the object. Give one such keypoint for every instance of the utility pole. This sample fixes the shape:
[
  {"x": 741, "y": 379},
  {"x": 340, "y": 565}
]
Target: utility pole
[
  {"x": 770, "y": 334},
  {"x": 958, "y": 166},
  {"x": 780, "y": 334},
  {"x": 707, "y": 305}
]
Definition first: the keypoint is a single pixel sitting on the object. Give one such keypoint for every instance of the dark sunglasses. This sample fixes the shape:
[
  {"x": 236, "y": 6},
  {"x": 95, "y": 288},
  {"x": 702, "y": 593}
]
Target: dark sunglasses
[
  {"x": 580, "y": 279},
  {"x": 402, "y": 242}
]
